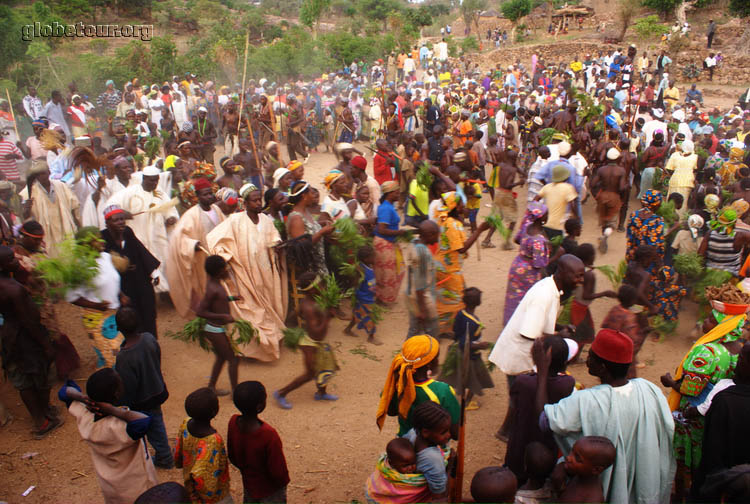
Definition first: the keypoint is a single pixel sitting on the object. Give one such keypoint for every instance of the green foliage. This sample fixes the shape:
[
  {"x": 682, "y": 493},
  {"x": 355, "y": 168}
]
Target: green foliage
[
  {"x": 311, "y": 10},
  {"x": 470, "y": 10},
  {"x": 663, "y": 6},
  {"x": 564, "y": 317},
  {"x": 331, "y": 293},
  {"x": 192, "y": 332},
  {"x": 378, "y": 9},
  {"x": 649, "y": 26},
  {"x": 739, "y": 8},
  {"x": 152, "y": 146},
  {"x": 347, "y": 241},
  {"x": 243, "y": 332},
  {"x": 292, "y": 336},
  {"x": 281, "y": 7},
  {"x": 418, "y": 17},
  {"x": 469, "y": 44},
  {"x": 689, "y": 265},
  {"x": 513, "y": 10},
  {"x": 73, "y": 267},
  {"x": 496, "y": 221},
  {"x": 545, "y": 136},
  {"x": 424, "y": 177},
  {"x": 662, "y": 327},
  {"x": 668, "y": 213},
  {"x": 73, "y": 9},
  {"x": 615, "y": 276},
  {"x": 710, "y": 278}
]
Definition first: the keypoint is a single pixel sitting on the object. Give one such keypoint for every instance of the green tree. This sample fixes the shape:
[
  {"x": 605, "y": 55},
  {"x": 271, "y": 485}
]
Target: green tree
[
  {"x": 664, "y": 7},
  {"x": 310, "y": 12},
  {"x": 514, "y": 10},
  {"x": 740, "y": 8},
  {"x": 471, "y": 10},
  {"x": 379, "y": 9}
]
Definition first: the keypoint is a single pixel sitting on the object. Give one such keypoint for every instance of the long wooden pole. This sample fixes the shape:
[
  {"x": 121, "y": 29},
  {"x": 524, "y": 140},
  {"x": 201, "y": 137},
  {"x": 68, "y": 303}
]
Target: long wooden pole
[
  {"x": 244, "y": 76},
  {"x": 12, "y": 115},
  {"x": 252, "y": 141}
]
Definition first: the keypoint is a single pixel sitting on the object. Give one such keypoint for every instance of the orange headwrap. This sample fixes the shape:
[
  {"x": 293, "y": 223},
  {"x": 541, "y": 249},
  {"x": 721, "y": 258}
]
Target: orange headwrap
[{"x": 416, "y": 352}]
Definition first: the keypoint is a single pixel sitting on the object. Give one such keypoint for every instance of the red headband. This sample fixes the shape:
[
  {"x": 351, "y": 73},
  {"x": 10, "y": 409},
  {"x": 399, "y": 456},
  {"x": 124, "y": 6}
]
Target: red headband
[
  {"x": 112, "y": 213},
  {"x": 31, "y": 235}
]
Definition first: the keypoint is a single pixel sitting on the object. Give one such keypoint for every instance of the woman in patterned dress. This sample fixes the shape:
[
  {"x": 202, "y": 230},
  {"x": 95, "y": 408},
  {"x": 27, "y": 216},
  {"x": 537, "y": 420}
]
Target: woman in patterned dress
[
  {"x": 529, "y": 265},
  {"x": 645, "y": 227}
]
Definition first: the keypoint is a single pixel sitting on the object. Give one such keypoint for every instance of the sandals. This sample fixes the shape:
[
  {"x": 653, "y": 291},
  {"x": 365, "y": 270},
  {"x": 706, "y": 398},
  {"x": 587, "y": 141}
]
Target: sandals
[
  {"x": 49, "y": 425},
  {"x": 488, "y": 245},
  {"x": 325, "y": 397},
  {"x": 281, "y": 400}
]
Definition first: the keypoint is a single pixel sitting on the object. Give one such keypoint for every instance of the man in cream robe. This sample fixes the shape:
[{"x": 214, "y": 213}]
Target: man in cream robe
[
  {"x": 152, "y": 214},
  {"x": 187, "y": 250},
  {"x": 93, "y": 212},
  {"x": 52, "y": 204},
  {"x": 258, "y": 275}
]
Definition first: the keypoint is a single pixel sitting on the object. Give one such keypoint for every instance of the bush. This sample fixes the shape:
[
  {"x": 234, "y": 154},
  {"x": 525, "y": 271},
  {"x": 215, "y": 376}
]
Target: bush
[
  {"x": 649, "y": 27},
  {"x": 469, "y": 44}
]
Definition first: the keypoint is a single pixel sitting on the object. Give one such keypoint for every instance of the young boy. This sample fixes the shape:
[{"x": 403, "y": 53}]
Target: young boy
[
  {"x": 362, "y": 313},
  {"x": 200, "y": 450},
  {"x": 590, "y": 456},
  {"x": 505, "y": 199},
  {"x": 255, "y": 447},
  {"x": 467, "y": 325},
  {"x": 214, "y": 307},
  {"x": 123, "y": 466},
  {"x": 139, "y": 365},
  {"x": 493, "y": 484},
  {"x": 320, "y": 361},
  {"x": 638, "y": 274},
  {"x": 621, "y": 318},
  {"x": 539, "y": 461}
]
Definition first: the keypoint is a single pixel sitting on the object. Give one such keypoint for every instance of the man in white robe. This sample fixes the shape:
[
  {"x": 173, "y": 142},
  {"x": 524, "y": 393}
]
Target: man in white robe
[
  {"x": 52, "y": 204},
  {"x": 152, "y": 213},
  {"x": 633, "y": 414},
  {"x": 258, "y": 274},
  {"x": 96, "y": 202},
  {"x": 187, "y": 250}
]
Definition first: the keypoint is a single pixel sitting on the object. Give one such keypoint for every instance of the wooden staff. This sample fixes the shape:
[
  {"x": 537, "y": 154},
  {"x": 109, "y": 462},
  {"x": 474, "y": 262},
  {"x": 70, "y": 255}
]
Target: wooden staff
[
  {"x": 244, "y": 76},
  {"x": 12, "y": 115},
  {"x": 252, "y": 141},
  {"x": 458, "y": 479}
]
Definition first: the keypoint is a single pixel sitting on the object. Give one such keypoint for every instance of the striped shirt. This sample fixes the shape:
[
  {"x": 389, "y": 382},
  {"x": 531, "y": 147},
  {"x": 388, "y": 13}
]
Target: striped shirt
[
  {"x": 8, "y": 167},
  {"x": 721, "y": 254}
]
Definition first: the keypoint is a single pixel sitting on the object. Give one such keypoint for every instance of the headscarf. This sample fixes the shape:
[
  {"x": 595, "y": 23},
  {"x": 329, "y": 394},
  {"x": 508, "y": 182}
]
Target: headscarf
[
  {"x": 269, "y": 145},
  {"x": 227, "y": 195},
  {"x": 389, "y": 186},
  {"x": 332, "y": 177},
  {"x": 278, "y": 174},
  {"x": 293, "y": 165},
  {"x": 725, "y": 221},
  {"x": 711, "y": 202},
  {"x": 741, "y": 207},
  {"x": 416, "y": 352},
  {"x": 111, "y": 211},
  {"x": 736, "y": 154},
  {"x": 695, "y": 223},
  {"x": 170, "y": 162},
  {"x": 450, "y": 201},
  {"x": 534, "y": 211},
  {"x": 187, "y": 127},
  {"x": 247, "y": 189},
  {"x": 652, "y": 200}
]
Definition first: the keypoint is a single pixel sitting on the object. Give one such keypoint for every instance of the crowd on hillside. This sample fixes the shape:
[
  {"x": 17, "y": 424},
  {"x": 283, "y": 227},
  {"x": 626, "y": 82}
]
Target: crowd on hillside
[{"x": 183, "y": 188}]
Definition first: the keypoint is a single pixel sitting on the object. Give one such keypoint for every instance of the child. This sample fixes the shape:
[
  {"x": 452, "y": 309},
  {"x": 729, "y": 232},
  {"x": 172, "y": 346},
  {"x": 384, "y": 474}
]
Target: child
[
  {"x": 668, "y": 293},
  {"x": 139, "y": 365},
  {"x": 621, "y": 318},
  {"x": 123, "y": 466},
  {"x": 539, "y": 461},
  {"x": 590, "y": 456},
  {"x": 687, "y": 240},
  {"x": 255, "y": 447},
  {"x": 466, "y": 324},
  {"x": 638, "y": 274},
  {"x": 362, "y": 313},
  {"x": 572, "y": 232},
  {"x": 164, "y": 493},
  {"x": 580, "y": 314},
  {"x": 395, "y": 478},
  {"x": 432, "y": 429},
  {"x": 493, "y": 484},
  {"x": 320, "y": 362},
  {"x": 200, "y": 450},
  {"x": 214, "y": 307},
  {"x": 328, "y": 129}
]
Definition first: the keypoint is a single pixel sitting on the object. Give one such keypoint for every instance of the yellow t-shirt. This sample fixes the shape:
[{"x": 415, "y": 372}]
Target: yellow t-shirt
[
  {"x": 421, "y": 198},
  {"x": 474, "y": 201},
  {"x": 557, "y": 197}
]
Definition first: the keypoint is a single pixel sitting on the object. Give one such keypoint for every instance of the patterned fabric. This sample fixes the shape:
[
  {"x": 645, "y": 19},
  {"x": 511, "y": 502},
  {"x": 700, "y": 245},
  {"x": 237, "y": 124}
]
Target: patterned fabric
[
  {"x": 645, "y": 228},
  {"x": 388, "y": 486},
  {"x": 667, "y": 294},
  {"x": 319, "y": 253},
  {"x": 205, "y": 468},
  {"x": 102, "y": 331},
  {"x": 527, "y": 269},
  {"x": 109, "y": 101},
  {"x": 325, "y": 360},
  {"x": 389, "y": 269},
  {"x": 450, "y": 279}
]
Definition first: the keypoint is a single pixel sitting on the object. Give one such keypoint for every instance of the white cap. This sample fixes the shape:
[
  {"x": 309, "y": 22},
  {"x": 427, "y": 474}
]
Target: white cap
[
  {"x": 203, "y": 109},
  {"x": 151, "y": 171},
  {"x": 613, "y": 154}
]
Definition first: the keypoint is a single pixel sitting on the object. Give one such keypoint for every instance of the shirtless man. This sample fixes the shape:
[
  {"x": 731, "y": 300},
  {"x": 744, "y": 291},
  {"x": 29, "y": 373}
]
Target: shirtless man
[
  {"x": 599, "y": 152},
  {"x": 295, "y": 144},
  {"x": 229, "y": 120},
  {"x": 609, "y": 185},
  {"x": 505, "y": 200},
  {"x": 628, "y": 160},
  {"x": 448, "y": 153},
  {"x": 214, "y": 307},
  {"x": 246, "y": 159},
  {"x": 266, "y": 121},
  {"x": 564, "y": 120},
  {"x": 271, "y": 162}
]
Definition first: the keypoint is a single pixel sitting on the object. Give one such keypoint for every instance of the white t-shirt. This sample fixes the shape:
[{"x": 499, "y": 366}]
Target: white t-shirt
[
  {"x": 104, "y": 287},
  {"x": 535, "y": 315}
]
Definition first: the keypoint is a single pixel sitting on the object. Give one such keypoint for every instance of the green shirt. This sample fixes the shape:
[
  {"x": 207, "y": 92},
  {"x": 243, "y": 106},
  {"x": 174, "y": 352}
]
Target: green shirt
[
  {"x": 420, "y": 197},
  {"x": 431, "y": 390}
]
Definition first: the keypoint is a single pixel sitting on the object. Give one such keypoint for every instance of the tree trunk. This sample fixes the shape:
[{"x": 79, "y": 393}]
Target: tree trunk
[{"x": 743, "y": 44}]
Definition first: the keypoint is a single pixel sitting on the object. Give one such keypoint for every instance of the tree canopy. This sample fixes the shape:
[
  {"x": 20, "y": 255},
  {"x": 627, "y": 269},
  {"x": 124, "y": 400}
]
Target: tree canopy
[{"x": 513, "y": 10}]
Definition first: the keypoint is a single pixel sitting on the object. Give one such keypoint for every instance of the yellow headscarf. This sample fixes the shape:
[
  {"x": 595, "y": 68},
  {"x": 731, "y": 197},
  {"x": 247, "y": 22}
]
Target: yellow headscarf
[
  {"x": 416, "y": 352},
  {"x": 332, "y": 177},
  {"x": 293, "y": 165}
]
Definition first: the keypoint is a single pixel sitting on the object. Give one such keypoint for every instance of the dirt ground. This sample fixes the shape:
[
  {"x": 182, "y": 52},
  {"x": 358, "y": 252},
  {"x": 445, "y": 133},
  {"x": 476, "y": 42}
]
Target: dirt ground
[{"x": 330, "y": 448}]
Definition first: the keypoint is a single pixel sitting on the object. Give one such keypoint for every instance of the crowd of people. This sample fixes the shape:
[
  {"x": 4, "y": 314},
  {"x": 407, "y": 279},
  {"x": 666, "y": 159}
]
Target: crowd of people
[{"x": 177, "y": 189}]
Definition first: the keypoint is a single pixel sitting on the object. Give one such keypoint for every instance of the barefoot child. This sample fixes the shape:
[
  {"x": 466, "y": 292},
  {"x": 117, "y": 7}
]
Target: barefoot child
[
  {"x": 493, "y": 484},
  {"x": 590, "y": 456},
  {"x": 319, "y": 360},
  {"x": 200, "y": 450},
  {"x": 539, "y": 461},
  {"x": 214, "y": 307},
  {"x": 362, "y": 313},
  {"x": 467, "y": 325},
  {"x": 123, "y": 467},
  {"x": 255, "y": 447},
  {"x": 395, "y": 478}
]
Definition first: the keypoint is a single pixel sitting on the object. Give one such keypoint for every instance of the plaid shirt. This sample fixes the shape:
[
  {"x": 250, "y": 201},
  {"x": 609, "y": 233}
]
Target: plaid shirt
[{"x": 109, "y": 101}]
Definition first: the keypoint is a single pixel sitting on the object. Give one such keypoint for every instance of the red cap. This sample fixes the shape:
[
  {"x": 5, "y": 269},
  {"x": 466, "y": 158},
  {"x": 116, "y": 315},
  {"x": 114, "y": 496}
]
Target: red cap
[
  {"x": 613, "y": 346},
  {"x": 201, "y": 183},
  {"x": 359, "y": 162}
]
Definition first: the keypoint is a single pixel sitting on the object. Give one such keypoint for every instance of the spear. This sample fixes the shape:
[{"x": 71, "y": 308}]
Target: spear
[{"x": 12, "y": 115}]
